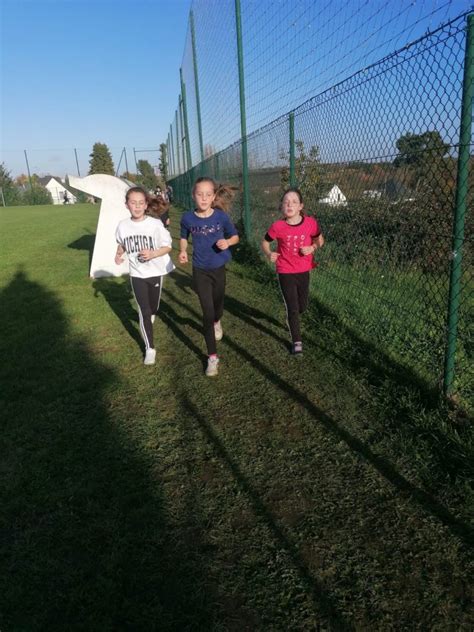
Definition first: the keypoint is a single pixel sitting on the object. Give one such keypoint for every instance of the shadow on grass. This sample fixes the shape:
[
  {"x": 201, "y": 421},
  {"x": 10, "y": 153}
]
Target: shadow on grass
[
  {"x": 322, "y": 600},
  {"x": 118, "y": 296},
  {"x": 254, "y": 317},
  {"x": 392, "y": 380},
  {"x": 383, "y": 466},
  {"x": 86, "y": 541},
  {"x": 86, "y": 242}
]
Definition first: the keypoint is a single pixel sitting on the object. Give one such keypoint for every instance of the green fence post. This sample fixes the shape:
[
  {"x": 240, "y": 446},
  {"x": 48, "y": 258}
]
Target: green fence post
[
  {"x": 181, "y": 128},
  {"x": 185, "y": 118},
  {"x": 187, "y": 140},
  {"x": 173, "y": 157},
  {"x": 196, "y": 85},
  {"x": 177, "y": 143},
  {"x": 460, "y": 206},
  {"x": 292, "y": 150},
  {"x": 243, "y": 121},
  {"x": 29, "y": 177}
]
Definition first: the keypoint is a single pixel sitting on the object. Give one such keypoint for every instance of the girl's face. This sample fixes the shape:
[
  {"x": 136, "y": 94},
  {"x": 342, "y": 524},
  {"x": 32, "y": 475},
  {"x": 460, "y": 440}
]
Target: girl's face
[
  {"x": 291, "y": 205},
  {"x": 137, "y": 205},
  {"x": 204, "y": 196}
]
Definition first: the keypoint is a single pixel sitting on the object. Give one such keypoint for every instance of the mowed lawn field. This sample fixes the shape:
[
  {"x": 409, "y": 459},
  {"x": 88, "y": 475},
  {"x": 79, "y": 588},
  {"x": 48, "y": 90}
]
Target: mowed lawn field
[{"x": 329, "y": 492}]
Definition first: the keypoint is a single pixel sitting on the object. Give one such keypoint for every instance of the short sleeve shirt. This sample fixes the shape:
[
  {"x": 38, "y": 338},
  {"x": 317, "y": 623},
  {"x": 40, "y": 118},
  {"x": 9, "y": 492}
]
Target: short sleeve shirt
[
  {"x": 290, "y": 238},
  {"x": 206, "y": 232},
  {"x": 148, "y": 233}
]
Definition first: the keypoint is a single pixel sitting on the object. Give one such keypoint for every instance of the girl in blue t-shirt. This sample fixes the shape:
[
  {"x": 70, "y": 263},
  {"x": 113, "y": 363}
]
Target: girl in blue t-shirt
[{"x": 212, "y": 234}]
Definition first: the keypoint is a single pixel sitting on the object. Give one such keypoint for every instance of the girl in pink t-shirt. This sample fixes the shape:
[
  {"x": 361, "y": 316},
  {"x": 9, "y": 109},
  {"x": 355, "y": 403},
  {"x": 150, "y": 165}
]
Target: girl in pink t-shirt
[{"x": 297, "y": 237}]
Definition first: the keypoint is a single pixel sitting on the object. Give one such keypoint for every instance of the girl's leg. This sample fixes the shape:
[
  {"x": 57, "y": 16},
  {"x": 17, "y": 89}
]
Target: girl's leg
[
  {"x": 289, "y": 290},
  {"x": 141, "y": 294},
  {"x": 303, "y": 291},
  {"x": 203, "y": 285},
  {"x": 218, "y": 292},
  {"x": 154, "y": 293}
]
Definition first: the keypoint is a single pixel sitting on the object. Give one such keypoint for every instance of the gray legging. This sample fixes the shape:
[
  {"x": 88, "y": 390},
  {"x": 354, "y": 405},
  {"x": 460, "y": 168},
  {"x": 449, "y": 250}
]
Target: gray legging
[{"x": 147, "y": 294}]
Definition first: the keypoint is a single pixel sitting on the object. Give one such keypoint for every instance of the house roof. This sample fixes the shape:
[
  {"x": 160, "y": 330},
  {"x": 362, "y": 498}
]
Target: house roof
[{"x": 45, "y": 179}]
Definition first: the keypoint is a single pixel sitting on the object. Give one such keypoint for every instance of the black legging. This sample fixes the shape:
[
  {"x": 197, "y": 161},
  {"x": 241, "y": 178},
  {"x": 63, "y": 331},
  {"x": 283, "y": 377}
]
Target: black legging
[
  {"x": 147, "y": 294},
  {"x": 210, "y": 288},
  {"x": 295, "y": 290}
]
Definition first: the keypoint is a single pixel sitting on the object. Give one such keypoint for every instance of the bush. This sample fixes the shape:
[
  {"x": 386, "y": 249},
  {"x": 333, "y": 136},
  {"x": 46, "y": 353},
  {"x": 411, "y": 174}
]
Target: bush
[{"x": 36, "y": 195}]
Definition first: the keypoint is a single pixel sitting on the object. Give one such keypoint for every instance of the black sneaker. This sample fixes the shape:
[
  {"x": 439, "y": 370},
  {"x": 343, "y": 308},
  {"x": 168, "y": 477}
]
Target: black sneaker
[{"x": 297, "y": 348}]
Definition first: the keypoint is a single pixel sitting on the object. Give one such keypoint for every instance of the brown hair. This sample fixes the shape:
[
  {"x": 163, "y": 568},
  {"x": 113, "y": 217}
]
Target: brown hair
[
  {"x": 224, "y": 193},
  {"x": 298, "y": 193},
  {"x": 157, "y": 206},
  {"x": 137, "y": 190}
]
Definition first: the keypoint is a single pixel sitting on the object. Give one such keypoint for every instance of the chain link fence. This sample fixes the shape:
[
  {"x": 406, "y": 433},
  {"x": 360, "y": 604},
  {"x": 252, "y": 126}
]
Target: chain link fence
[{"x": 383, "y": 160}]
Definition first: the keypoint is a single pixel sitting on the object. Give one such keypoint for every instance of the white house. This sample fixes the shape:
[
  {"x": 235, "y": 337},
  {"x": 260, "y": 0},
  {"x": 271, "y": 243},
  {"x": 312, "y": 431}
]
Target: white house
[
  {"x": 335, "y": 197},
  {"x": 57, "y": 188}
]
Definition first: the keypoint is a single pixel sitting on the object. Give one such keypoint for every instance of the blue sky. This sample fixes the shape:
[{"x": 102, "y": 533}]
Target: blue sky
[{"x": 80, "y": 71}]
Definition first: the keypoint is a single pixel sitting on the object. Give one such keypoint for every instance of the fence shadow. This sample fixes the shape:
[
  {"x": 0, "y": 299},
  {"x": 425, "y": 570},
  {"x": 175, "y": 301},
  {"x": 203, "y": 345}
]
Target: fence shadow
[
  {"x": 86, "y": 541},
  {"x": 383, "y": 466}
]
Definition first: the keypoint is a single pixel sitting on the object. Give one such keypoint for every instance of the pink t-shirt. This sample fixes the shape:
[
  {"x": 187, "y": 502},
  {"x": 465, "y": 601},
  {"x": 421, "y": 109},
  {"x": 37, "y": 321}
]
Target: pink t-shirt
[{"x": 290, "y": 239}]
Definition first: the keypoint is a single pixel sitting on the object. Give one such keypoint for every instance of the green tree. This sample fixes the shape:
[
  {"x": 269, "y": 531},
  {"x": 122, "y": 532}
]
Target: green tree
[
  {"x": 423, "y": 156},
  {"x": 101, "y": 160},
  {"x": 164, "y": 161},
  {"x": 11, "y": 193},
  {"x": 131, "y": 177},
  {"x": 36, "y": 195},
  {"x": 147, "y": 178},
  {"x": 309, "y": 173}
]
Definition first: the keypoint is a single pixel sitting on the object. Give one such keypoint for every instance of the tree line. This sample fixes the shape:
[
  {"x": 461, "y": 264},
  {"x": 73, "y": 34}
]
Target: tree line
[{"x": 28, "y": 190}]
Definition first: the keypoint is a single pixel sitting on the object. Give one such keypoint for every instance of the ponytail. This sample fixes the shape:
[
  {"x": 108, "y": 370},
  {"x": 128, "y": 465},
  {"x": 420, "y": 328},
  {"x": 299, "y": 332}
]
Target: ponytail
[
  {"x": 157, "y": 206},
  {"x": 224, "y": 193}
]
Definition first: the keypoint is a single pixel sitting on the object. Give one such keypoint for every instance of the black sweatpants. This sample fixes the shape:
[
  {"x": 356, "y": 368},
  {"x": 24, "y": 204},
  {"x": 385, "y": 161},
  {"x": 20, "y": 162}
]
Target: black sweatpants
[
  {"x": 295, "y": 291},
  {"x": 147, "y": 294},
  {"x": 209, "y": 285}
]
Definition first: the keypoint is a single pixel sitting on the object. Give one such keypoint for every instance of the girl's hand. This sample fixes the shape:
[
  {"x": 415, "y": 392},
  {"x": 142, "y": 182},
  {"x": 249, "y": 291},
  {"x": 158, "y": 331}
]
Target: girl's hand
[
  {"x": 183, "y": 257},
  {"x": 119, "y": 259},
  {"x": 146, "y": 254},
  {"x": 307, "y": 250},
  {"x": 222, "y": 244},
  {"x": 274, "y": 256}
]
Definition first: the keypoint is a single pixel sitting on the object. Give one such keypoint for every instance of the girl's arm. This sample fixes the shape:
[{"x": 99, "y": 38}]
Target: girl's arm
[
  {"x": 119, "y": 254},
  {"x": 317, "y": 242},
  {"x": 223, "y": 244},
  {"x": 153, "y": 254},
  {"x": 273, "y": 256},
  {"x": 183, "y": 246}
]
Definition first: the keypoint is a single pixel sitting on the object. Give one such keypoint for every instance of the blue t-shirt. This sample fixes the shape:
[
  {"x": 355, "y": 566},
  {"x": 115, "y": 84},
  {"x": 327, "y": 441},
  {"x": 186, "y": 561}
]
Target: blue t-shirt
[{"x": 206, "y": 231}]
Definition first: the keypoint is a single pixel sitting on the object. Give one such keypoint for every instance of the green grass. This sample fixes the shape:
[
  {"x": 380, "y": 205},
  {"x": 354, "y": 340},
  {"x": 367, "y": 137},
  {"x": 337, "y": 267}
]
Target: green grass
[{"x": 283, "y": 495}]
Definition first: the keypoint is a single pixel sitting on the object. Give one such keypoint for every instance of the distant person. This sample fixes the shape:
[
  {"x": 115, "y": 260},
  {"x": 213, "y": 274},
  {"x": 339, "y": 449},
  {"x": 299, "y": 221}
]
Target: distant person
[
  {"x": 65, "y": 197},
  {"x": 212, "y": 233},
  {"x": 147, "y": 244},
  {"x": 298, "y": 236},
  {"x": 158, "y": 208},
  {"x": 169, "y": 193}
]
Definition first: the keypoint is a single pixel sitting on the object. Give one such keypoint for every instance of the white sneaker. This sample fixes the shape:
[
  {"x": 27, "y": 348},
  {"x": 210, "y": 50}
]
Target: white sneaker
[
  {"x": 212, "y": 365},
  {"x": 152, "y": 318},
  {"x": 218, "y": 331},
  {"x": 150, "y": 356}
]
